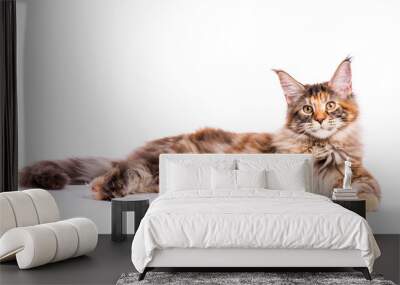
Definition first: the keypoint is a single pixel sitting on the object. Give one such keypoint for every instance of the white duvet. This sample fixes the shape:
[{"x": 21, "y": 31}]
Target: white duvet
[{"x": 250, "y": 218}]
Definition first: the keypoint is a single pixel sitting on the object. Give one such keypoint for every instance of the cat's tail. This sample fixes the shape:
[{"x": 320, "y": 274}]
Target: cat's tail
[{"x": 55, "y": 174}]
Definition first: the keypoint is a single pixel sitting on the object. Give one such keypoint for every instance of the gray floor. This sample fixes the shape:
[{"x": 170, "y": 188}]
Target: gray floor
[{"x": 109, "y": 260}]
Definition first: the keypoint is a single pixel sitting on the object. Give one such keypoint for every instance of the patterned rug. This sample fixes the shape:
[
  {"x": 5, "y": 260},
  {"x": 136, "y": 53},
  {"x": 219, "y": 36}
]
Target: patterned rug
[{"x": 243, "y": 278}]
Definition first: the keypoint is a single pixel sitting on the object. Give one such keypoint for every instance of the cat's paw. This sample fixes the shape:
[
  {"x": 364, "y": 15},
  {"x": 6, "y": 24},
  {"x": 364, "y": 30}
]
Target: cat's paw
[
  {"x": 371, "y": 201},
  {"x": 368, "y": 189},
  {"x": 321, "y": 152},
  {"x": 43, "y": 174},
  {"x": 96, "y": 186},
  {"x": 110, "y": 185}
]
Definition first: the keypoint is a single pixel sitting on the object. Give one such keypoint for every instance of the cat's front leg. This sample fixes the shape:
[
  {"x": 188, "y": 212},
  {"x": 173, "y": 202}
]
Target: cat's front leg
[
  {"x": 127, "y": 177},
  {"x": 97, "y": 186},
  {"x": 322, "y": 152},
  {"x": 367, "y": 187},
  {"x": 112, "y": 184}
]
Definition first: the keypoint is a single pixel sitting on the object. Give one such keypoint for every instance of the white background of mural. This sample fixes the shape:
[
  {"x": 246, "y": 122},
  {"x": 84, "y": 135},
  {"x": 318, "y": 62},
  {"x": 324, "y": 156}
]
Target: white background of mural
[{"x": 102, "y": 77}]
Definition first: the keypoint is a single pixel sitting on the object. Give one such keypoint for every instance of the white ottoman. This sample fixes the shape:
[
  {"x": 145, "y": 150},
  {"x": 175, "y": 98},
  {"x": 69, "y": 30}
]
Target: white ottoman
[{"x": 31, "y": 233}]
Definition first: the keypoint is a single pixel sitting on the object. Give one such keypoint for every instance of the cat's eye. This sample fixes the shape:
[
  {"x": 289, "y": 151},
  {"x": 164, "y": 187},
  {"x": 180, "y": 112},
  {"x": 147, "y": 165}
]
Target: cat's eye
[
  {"x": 308, "y": 109},
  {"x": 330, "y": 106}
]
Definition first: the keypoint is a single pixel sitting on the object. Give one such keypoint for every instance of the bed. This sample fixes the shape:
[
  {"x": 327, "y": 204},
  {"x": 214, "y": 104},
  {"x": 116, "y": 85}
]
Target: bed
[{"x": 245, "y": 211}]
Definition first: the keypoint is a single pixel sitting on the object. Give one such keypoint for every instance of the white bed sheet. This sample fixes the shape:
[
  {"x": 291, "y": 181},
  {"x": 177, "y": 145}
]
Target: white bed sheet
[{"x": 250, "y": 218}]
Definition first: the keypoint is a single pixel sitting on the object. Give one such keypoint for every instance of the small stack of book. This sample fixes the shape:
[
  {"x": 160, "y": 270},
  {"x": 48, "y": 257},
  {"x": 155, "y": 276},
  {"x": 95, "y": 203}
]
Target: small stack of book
[{"x": 344, "y": 194}]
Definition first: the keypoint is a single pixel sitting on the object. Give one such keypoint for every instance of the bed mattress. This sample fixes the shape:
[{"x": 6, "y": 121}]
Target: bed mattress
[{"x": 250, "y": 219}]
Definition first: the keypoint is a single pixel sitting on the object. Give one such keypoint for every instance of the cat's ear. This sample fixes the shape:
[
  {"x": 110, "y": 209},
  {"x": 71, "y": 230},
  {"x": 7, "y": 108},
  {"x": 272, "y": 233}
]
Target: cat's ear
[
  {"x": 291, "y": 87},
  {"x": 341, "y": 79}
]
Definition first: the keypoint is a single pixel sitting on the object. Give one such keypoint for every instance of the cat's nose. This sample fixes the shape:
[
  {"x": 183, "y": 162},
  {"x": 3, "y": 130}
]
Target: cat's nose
[{"x": 319, "y": 117}]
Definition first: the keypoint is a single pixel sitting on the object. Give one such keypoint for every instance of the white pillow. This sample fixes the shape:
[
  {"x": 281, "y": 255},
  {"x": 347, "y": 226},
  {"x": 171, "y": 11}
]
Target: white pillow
[
  {"x": 188, "y": 177},
  {"x": 237, "y": 179},
  {"x": 251, "y": 178},
  {"x": 223, "y": 179},
  {"x": 293, "y": 180},
  {"x": 281, "y": 175}
]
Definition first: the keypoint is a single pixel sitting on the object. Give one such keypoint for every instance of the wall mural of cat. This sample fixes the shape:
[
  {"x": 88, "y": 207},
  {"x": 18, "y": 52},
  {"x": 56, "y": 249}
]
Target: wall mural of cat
[{"x": 322, "y": 119}]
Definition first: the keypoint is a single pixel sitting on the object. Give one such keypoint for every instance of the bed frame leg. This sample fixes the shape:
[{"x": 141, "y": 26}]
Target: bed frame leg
[
  {"x": 143, "y": 274},
  {"x": 364, "y": 271}
]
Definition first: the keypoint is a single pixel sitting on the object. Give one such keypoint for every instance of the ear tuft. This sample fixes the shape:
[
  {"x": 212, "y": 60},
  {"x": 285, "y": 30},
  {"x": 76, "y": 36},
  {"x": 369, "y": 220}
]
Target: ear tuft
[
  {"x": 348, "y": 58},
  {"x": 341, "y": 82},
  {"x": 292, "y": 89}
]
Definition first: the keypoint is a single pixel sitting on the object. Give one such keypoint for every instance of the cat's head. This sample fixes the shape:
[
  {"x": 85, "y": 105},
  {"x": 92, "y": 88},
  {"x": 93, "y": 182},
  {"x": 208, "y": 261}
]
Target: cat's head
[{"x": 320, "y": 110}]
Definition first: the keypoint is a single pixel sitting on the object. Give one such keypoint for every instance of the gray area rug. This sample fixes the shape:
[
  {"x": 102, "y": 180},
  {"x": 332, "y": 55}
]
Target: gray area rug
[{"x": 232, "y": 278}]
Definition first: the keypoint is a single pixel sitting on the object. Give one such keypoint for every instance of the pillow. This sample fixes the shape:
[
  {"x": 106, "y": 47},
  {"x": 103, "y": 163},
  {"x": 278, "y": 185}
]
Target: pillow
[
  {"x": 251, "y": 178},
  {"x": 223, "y": 179},
  {"x": 280, "y": 175},
  {"x": 293, "y": 180},
  {"x": 188, "y": 177},
  {"x": 236, "y": 179}
]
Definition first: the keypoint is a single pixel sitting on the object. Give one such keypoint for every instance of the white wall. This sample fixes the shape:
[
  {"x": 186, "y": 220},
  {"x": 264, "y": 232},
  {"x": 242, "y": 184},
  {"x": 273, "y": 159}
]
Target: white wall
[{"x": 102, "y": 77}]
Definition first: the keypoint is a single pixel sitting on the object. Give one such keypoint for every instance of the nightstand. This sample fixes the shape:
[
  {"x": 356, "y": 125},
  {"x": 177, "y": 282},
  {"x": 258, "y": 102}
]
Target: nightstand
[
  {"x": 357, "y": 206},
  {"x": 137, "y": 203}
]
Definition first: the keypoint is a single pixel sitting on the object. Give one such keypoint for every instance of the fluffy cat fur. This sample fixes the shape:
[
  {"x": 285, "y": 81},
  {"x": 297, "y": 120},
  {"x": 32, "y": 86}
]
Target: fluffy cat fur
[{"x": 322, "y": 119}]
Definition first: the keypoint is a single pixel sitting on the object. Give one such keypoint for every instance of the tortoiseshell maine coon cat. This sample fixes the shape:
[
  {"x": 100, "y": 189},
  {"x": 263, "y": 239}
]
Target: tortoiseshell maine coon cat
[{"x": 322, "y": 119}]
